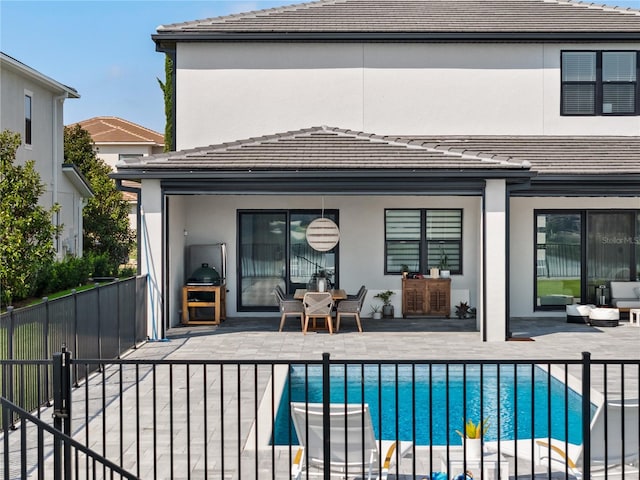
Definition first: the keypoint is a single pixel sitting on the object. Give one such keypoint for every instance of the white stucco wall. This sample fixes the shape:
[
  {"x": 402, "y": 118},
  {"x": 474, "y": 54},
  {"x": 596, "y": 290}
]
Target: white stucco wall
[
  {"x": 211, "y": 219},
  {"x": 110, "y": 153},
  {"x": 46, "y": 149},
  {"x": 522, "y": 248},
  {"x": 229, "y": 91}
]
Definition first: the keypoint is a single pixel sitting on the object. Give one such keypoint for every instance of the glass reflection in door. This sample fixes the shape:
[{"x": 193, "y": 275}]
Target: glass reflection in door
[{"x": 262, "y": 257}]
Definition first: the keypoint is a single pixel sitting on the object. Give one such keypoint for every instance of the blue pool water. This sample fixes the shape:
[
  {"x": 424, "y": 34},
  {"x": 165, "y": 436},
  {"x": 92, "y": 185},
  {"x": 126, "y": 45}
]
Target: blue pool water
[{"x": 434, "y": 422}]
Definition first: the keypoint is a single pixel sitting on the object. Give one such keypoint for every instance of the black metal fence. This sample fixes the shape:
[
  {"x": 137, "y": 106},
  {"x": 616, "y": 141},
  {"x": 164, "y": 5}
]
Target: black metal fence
[
  {"x": 102, "y": 323},
  {"x": 235, "y": 419}
]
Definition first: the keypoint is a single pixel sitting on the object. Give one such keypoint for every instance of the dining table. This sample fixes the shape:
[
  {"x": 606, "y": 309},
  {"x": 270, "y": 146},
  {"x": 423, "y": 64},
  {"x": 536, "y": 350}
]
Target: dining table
[{"x": 336, "y": 294}]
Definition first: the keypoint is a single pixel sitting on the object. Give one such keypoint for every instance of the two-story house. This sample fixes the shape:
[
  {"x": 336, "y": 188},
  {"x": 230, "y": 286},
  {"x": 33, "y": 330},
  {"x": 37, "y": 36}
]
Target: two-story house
[
  {"x": 32, "y": 105},
  {"x": 502, "y": 136}
]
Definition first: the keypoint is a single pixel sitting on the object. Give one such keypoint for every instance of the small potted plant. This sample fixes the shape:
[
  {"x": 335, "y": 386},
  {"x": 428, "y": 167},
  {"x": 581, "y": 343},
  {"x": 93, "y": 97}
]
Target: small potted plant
[
  {"x": 472, "y": 437},
  {"x": 387, "y": 308},
  {"x": 463, "y": 310},
  {"x": 444, "y": 264},
  {"x": 376, "y": 312},
  {"x": 405, "y": 270}
]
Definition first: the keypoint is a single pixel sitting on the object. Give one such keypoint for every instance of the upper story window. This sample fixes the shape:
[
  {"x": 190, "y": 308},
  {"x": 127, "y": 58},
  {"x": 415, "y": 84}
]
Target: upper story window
[
  {"x": 600, "y": 83},
  {"x": 422, "y": 239},
  {"x": 27, "y": 118}
]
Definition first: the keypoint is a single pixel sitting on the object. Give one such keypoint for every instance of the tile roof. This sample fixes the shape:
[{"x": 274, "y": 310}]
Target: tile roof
[
  {"x": 118, "y": 130},
  {"x": 424, "y": 16},
  {"x": 327, "y": 148}
]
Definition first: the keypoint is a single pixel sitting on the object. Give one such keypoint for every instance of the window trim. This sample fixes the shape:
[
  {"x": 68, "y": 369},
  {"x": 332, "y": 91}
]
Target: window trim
[
  {"x": 598, "y": 85},
  {"x": 423, "y": 252}
]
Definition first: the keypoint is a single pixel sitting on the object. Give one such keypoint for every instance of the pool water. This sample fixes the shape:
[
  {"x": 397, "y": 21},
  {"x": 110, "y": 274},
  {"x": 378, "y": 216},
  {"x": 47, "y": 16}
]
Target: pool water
[{"x": 428, "y": 391}]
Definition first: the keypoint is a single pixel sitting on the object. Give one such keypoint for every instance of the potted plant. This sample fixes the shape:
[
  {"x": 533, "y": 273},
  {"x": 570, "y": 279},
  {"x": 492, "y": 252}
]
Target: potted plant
[
  {"x": 444, "y": 264},
  {"x": 376, "y": 312},
  {"x": 463, "y": 310},
  {"x": 472, "y": 437},
  {"x": 404, "y": 268},
  {"x": 387, "y": 308}
]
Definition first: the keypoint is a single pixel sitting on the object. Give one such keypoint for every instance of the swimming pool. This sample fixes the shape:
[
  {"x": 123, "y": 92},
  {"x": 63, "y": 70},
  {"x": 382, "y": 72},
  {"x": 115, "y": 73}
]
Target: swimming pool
[{"x": 427, "y": 390}]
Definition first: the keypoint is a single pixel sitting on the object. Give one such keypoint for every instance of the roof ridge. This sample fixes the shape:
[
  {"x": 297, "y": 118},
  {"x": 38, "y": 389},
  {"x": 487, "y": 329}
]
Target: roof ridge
[
  {"x": 253, "y": 13},
  {"x": 600, "y": 6}
]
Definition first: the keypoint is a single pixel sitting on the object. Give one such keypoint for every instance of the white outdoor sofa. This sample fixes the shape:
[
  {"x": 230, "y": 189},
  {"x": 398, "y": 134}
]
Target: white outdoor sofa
[{"x": 625, "y": 295}]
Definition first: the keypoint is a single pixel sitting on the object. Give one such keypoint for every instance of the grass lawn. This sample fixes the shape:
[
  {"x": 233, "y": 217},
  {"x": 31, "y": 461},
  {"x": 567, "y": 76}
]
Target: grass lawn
[{"x": 548, "y": 286}]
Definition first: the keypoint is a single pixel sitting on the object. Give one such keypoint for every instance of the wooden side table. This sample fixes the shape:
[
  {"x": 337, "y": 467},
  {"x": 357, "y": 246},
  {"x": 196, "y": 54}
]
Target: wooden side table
[{"x": 218, "y": 304}]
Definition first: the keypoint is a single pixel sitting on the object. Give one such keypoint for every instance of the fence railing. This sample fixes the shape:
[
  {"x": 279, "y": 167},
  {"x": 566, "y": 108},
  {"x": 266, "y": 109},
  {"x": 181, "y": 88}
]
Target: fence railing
[
  {"x": 102, "y": 322},
  {"x": 236, "y": 419}
]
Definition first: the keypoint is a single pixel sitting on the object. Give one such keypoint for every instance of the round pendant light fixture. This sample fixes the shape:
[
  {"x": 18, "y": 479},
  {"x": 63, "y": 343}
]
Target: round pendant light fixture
[{"x": 322, "y": 234}]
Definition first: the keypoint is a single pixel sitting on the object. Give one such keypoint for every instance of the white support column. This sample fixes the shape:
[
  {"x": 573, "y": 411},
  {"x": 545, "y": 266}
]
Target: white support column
[
  {"x": 495, "y": 261},
  {"x": 151, "y": 255}
]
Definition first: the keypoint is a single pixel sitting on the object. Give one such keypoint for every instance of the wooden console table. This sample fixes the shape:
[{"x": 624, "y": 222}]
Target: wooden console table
[
  {"x": 219, "y": 293},
  {"x": 426, "y": 296}
]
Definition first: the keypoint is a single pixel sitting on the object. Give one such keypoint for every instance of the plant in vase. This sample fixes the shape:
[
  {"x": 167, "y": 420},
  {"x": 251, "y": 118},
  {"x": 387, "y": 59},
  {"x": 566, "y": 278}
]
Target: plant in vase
[
  {"x": 471, "y": 435},
  {"x": 444, "y": 264},
  {"x": 404, "y": 269},
  {"x": 387, "y": 308},
  {"x": 376, "y": 311},
  {"x": 463, "y": 310}
]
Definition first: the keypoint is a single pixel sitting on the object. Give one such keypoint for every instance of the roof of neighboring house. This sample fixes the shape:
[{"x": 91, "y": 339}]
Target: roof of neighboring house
[
  {"x": 329, "y": 148},
  {"x": 11, "y": 63},
  {"x": 114, "y": 130},
  {"x": 417, "y": 20}
]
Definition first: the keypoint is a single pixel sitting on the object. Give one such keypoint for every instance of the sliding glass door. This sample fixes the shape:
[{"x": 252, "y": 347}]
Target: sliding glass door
[
  {"x": 579, "y": 251},
  {"x": 273, "y": 250},
  {"x": 611, "y": 249}
]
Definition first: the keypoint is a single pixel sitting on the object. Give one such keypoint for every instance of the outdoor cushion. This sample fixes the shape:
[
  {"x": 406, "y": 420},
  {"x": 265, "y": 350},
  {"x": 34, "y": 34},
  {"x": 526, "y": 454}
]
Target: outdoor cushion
[
  {"x": 625, "y": 294},
  {"x": 578, "y": 313},
  {"x": 604, "y": 317}
]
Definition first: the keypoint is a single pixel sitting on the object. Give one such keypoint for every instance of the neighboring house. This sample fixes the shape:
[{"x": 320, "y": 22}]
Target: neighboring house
[
  {"x": 117, "y": 139},
  {"x": 32, "y": 105},
  {"x": 505, "y": 135}
]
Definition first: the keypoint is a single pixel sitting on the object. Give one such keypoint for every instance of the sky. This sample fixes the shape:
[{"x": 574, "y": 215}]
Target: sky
[{"x": 103, "y": 49}]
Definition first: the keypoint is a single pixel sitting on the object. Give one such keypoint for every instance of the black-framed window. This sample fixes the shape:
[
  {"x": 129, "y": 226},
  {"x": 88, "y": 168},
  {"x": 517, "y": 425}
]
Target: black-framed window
[
  {"x": 600, "y": 82},
  {"x": 27, "y": 118},
  {"x": 423, "y": 238}
]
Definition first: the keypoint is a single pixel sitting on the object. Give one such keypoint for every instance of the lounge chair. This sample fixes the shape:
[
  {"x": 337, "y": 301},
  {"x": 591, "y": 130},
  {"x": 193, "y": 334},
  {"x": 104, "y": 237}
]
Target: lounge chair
[
  {"x": 611, "y": 455},
  {"x": 354, "y": 451},
  {"x": 288, "y": 307},
  {"x": 351, "y": 308}
]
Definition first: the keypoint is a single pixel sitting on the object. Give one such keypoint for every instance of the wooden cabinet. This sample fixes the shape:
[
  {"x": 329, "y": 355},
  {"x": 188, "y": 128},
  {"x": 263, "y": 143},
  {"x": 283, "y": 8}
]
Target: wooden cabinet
[
  {"x": 214, "y": 300},
  {"x": 426, "y": 296}
]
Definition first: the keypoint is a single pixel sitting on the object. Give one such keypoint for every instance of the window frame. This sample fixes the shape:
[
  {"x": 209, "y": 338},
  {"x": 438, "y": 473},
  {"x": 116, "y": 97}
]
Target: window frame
[
  {"x": 423, "y": 249},
  {"x": 599, "y": 85},
  {"x": 28, "y": 119}
]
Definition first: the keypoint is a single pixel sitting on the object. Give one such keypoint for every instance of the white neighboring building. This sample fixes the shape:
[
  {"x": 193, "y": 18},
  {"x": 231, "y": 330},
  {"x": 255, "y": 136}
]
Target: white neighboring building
[
  {"x": 32, "y": 105},
  {"x": 117, "y": 139}
]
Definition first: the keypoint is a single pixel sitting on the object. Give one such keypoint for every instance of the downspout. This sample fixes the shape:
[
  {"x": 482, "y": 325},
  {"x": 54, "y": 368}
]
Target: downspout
[{"x": 56, "y": 161}]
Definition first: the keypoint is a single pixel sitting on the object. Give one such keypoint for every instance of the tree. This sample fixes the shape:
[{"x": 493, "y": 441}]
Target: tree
[
  {"x": 105, "y": 217},
  {"x": 167, "y": 92},
  {"x": 26, "y": 229}
]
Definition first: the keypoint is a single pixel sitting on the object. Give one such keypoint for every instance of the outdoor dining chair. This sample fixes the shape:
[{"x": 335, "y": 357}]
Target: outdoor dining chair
[
  {"x": 288, "y": 307},
  {"x": 317, "y": 305},
  {"x": 351, "y": 308}
]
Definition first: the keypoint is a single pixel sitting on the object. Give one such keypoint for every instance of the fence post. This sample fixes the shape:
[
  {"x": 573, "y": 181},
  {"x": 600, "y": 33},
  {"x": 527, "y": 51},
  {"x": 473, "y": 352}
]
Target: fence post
[
  {"x": 586, "y": 414},
  {"x": 74, "y": 292},
  {"x": 61, "y": 409},
  {"x": 9, "y": 393},
  {"x": 326, "y": 420},
  {"x": 118, "y": 317},
  {"x": 97, "y": 286},
  {"x": 47, "y": 353}
]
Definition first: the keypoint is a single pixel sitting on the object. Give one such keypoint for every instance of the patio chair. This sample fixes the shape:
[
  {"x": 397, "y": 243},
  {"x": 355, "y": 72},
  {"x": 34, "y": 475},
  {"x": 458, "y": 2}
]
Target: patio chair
[
  {"x": 357, "y": 295},
  {"x": 288, "y": 307},
  {"x": 317, "y": 305},
  {"x": 352, "y": 308},
  {"x": 354, "y": 450},
  {"x": 609, "y": 453}
]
